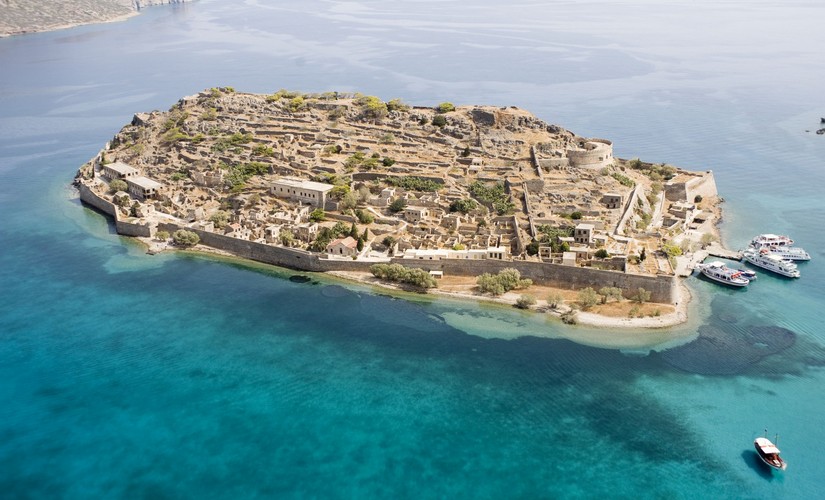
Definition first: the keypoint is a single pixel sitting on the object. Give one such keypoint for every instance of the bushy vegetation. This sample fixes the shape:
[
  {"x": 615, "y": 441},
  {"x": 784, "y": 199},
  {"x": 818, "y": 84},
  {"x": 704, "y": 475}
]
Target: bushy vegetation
[
  {"x": 372, "y": 107},
  {"x": 398, "y": 205},
  {"x": 525, "y": 301},
  {"x": 506, "y": 280},
  {"x": 364, "y": 217},
  {"x": 641, "y": 296},
  {"x": 397, "y": 105},
  {"x": 623, "y": 180},
  {"x": 445, "y": 107},
  {"x": 118, "y": 185},
  {"x": 185, "y": 238},
  {"x": 587, "y": 298},
  {"x": 610, "y": 292},
  {"x": 327, "y": 234},
  {"x": 601, "y": 254},
  {"x": 554, "y": 300},
  {"x": 656, "y": 172},
  {"x": 412, "y": 183},
  {"x": 464, "y": 206},
  {"x": 549, "y": 235},
  {"x": 220, "y": 219},
  {"x": 439, "y": 121},
  {"x": 242, "y": 172},
  {"x": 400, "y": 274},
  {"x": 317, "y": 215},
  {"x": 494, "y": 195},
  {"x": 231, "y": 141}
]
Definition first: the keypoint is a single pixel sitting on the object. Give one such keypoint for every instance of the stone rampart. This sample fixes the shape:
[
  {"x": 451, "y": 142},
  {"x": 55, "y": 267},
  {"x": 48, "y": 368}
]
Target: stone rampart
[{"x": 661, "y": 288}]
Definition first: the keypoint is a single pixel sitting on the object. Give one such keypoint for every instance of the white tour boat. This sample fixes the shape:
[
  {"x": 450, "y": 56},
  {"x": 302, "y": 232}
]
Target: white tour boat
[
  {"x": 718, "y": 271},
  {"x": 790, "y": 253},
  {"x": 771, "y": 240},
  {"x": 769, "y": 453},
  {"x": 767, "y": 260}
]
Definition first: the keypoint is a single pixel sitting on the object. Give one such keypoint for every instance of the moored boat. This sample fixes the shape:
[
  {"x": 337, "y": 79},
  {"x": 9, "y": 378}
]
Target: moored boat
[
  {"x": 774, "y": 263},
  {"x": 748, "y": 274},
  {"x": 786, "y": 252},
  {"x": 721, "y": 273},
  {"x": 771, "y": 240},
  {"x": 769, "y": 453}
]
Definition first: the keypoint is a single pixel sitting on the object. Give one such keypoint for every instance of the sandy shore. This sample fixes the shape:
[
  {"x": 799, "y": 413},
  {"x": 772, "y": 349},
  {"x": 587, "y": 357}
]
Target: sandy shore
[{"x": 677, "y": 316}]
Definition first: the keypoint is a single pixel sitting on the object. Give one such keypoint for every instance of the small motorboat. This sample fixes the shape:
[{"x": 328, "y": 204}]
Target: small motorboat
[{"x": 769, "y": 453}]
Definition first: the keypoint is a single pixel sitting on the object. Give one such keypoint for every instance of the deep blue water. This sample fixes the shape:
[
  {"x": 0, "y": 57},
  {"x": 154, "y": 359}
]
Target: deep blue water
[{"x": 128, "y": 375}]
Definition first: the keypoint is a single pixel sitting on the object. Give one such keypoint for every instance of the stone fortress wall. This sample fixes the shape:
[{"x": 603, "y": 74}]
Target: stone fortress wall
[
  {"x": 596, "y": 154},
  {"x": 662, "y": 288}
]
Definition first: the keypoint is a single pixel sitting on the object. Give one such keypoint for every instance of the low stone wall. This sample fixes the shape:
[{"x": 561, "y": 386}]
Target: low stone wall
[{"x": 91, "y": 198}]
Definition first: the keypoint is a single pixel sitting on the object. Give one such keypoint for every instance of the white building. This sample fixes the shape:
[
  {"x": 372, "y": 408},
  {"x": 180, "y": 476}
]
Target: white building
[{"x": 313, "y": 193}]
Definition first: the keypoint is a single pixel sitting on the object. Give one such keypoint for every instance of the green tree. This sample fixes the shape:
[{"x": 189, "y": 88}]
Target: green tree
[
  {"x": 588, "y": 298},
  {"x": 286, "y": 237},
  {"x": 576, "y": 215},
  {"x": 317, "y": 215},
  {"x": 398, "y": 205},
  {"x": 220, "y": 219},
  {"x": 643, "y": 255},
  {"x": 601, "y": 254},
  {"x": 162, "y": 235},
  {"x": 533, "y": 247},
  {"x": 364, "y": 217},
  {"x": 610, "y": 292},
  {"x": 360, "y": 245},
  {"x": 353, "y": 231},
  {"x": 397, "y": 105},
  {"x": 185, "y": 238},
  {"x": 118, "y": 185},
  {"x": 439, "y": 121},
  {"x": 641, "y": 296}
]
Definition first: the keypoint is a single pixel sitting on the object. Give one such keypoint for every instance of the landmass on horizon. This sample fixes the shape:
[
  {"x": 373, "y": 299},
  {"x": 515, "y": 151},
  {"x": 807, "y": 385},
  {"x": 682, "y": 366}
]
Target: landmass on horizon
[
  {"x": 31, "y": 16},
  {"x": 342, "y": 182}
]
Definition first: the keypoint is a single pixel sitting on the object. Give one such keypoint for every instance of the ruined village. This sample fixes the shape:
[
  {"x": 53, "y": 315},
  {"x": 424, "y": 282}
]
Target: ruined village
[{"x": 351, "y": 178}]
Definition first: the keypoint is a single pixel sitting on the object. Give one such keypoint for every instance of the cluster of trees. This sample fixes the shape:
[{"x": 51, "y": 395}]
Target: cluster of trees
[
  {"x": 494, "y": 195},
  {"x": 464, "y": 206},
  {"x": 506, "y": 280},
  {"x": 242, "y": 172},
  {"x": 359, "y": 159},
  {"x": 400, "y": 274},
  {"x": 588, "y": 297},
  {"x": 231, "y": 141},
  {"x": 413, "y": 183},
  {"x": 551, "y": 236}
]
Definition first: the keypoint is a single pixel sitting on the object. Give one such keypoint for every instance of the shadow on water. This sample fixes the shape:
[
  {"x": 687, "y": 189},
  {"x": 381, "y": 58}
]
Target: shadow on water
[{"x": 752, "y": 460}]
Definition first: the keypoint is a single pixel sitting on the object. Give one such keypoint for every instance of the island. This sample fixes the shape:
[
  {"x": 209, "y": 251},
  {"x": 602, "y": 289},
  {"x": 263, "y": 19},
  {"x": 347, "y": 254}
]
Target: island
[{"x": 479, "y": 201}]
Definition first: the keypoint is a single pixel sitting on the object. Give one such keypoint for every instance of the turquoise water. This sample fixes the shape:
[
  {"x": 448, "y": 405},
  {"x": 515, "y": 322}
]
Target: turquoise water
[{"x": 128, "y": 375}]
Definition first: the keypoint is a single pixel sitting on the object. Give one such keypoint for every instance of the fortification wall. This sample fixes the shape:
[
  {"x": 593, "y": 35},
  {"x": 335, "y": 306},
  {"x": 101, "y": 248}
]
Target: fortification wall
[
  {"x": 597, "y": 153},
  {"x": 704, "y": 186},
  {"x": 661, "y": 288},
  {"x": 91, "y": 198}
]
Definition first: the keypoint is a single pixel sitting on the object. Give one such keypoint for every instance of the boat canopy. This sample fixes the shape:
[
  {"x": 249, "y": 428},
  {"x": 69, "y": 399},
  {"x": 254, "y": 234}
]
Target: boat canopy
[{"x": 766, "y": 446}]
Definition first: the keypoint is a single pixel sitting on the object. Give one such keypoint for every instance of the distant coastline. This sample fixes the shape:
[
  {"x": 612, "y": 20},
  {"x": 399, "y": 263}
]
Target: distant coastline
[{"x": 21, "y": 18}]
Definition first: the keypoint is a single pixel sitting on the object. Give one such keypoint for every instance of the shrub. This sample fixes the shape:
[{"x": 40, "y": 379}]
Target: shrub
[
  {"x": 525, "y": 301},
  {"x": 162, "y": 235},
  {"x": 697, "y": 198},
  {"x": 118, "y": 185},
  {"x": 317, "y": 215},
  {"x": 506, "y": 280},
  {"x": 398, "y": 205},
  {"x": 220, "y": 219},
  {"x": 588, "y": 298},
  {"x": 397, "y": 105},
  {"x": 400, "y": 274},
  {"x": 576, "y": 215},
  {"x": 439, "y": 121},
  {"x": 464, "y": 206},
  {"x": 610, "y": 292},
  {"x": 185, "y": 238},
  {"x": 445, "y": 107},
  {"x": 601, "y": 254},
  {"x": 641, "y": 296},
  {"x": 570, "y": 317},
  {"x": 372, "y": 107},
  {"x": 364, "y": 217},
  {"x": 554, "y": 300}
]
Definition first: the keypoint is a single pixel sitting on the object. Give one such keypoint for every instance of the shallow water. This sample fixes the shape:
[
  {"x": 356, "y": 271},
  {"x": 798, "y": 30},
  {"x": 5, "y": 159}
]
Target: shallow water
[{"x": 173, "y": 375}]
